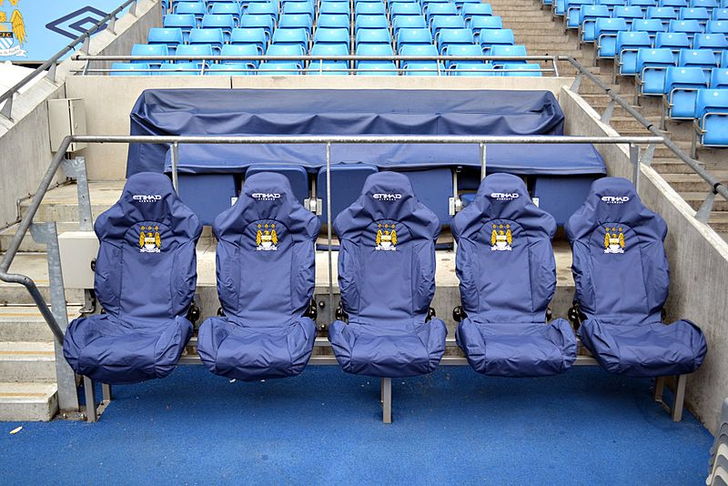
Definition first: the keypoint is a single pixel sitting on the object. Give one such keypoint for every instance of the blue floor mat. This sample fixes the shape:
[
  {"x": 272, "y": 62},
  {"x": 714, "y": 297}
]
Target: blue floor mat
[{"x": 454, "y": 426}]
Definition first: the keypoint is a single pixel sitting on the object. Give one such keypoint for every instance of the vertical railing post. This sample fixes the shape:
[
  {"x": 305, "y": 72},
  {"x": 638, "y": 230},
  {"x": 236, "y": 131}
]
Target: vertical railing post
[
  {"x": 634, "y": 158},
  {"x": 329, "y": 229},
  {"x": 386, "y": 397},
  {"x": 76, "y": 169},
  {"x": 483, "y": 160},
  {"x": 174, "y": 156}
]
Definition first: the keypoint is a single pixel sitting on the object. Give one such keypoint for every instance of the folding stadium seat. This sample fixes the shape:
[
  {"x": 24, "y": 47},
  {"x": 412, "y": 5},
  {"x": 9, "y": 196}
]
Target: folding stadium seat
[
  {"x": 673, "y": 41},
  {"x": 197, "y": 50},
  {"x": 588, "y": 17},
  {"x": 494, "y": 37},
  {"x": 145, "y": 279},
  {"x": 404, "y": 9},
  {"x": 440, "y": 22},
  {"x": 370, "y": 22},
  {"x": 332, "y": 36},
  {"x": 482, "y": 23},
  {"x": 211, "y": 3},
  {"x": 651, "y": 26},
  {"x": 614, "y": 238},
  {"x": 673, "y": 3},
  {"x": 701, "y": 15},
  {"x": 179, "y": 68},
  {"x": 250, "y": 36},
  {"x": 717, "y": 27},
  {"x": 711, "y": 113},
  {"x": 628, "y": 13},
  {"x": 270, "y": 9},
  {"x": 504, "y": 242},
  {"x": 627, "y": 45},
  {"x": 267, "y": 331},
  {"x": 643, "y": 4},
  {"x": 408, "y": 22},
  {"x": 423, "y": 68},
  {"x": 131, "y": 69},
  {"x": 414, "y": 36},
  {"x": 226, "y": 23},
  {"x": 347, "y": 176},
  {"x": 434, "y": 9},
  {"x": 472, "y": 10},
  {"x": 451, "y": 37},
  {"x": 374, "y": 50},
  {"x": 361, "y": 8},
  {"x": 198, "y": 9},
  {"x": 375, "y": 36},
  {"x": 681, "y": 89},
  {"x": 724, "y": 59},
  {"x": 464, "y": 50},
  {"x": 708, "y": 4},
  {"x": 687, "y": 27},
  {"x": 517, "y": 50},
  {"x": 231, "y": 9},
  {"x": 286, "y": 50},
  {"x": 299, "y": 8},
  {"x": 265, "y": 22},
  {"x": 333, "y": 21},
  {"x": 241, "y": 50},
  {"x": 611, "y": 3},
  {"x": 519, "y": 69},
  {"x": 573, "y": 12},
  {"x": 295, "y": 21},
  {"x": 473, "y": 68},
  {"x": 386, "y": 237},
  {"x": 559, "y": 7},
  {"x": 334, "y": 8},
  {"x": 719, "y": 14},
  {"x": 214, "y": 37},
  {"x": 297, "y": 37},
  {"x": 328, "y": 68},
  {"x": 702, "y": 58},
  {"x": 184, "y": 22},
  {"x": 714, "y": 42},
  {"x": 230, "y": 68},
  {"x": 329, "y": 49},
  {"x": 280, "y": 68},
  {"x": 461, "y": 3},
  {"x": 651, "y": 65},
  {"x": 719, "y": 79},
  {"x": 376, "y": 68},
  {"x": 169, "y": 37},
  {"x": 663, "y": 14},
  {"x": 149, "y": 50},
  {"x": 605, "y": 32}
]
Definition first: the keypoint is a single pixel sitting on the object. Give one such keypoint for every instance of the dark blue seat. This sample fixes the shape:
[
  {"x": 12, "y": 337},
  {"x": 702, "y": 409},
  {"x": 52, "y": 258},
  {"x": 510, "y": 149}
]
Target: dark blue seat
[
  {"x": 265, "y": 281},
  {"x": 507, "y": 274},
  {"x": 622, "y": 278},
  {"x": 145, "y": 280},
  {"x": 387, "y": 281},
  {"x": 347, "y": 181}
]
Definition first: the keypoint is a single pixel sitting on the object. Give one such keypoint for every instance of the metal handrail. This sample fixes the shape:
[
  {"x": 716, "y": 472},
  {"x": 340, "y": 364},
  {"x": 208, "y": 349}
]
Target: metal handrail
[
  {"x": 7, "y": 110},
  {"x": 59, "y": 157}
]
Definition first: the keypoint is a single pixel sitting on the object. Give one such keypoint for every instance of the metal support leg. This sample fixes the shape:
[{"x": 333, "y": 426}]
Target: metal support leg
[
  {"x": 634, "y": 158},
  {"x": 90, "y": 394},
  {"x": 679, "y": 400},
  {"x": 483, "y": 160},
  {"x": 106, "y": 391},
  {"x": 46, "y": 233},
  {"x": 386, "y": 393},
  {"x": 659, "y": 389},
  {"x": 76, "y": 169}
]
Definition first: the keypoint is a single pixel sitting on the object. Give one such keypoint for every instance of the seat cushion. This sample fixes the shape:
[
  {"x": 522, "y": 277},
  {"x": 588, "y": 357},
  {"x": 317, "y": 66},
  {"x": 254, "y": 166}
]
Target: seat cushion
[
  {"x": 517, "y": 349},
  {"x": 109, "y": 350},
  {"x": 230, "y": 348},
  {"x": 388, "y": 352},
  {"x": 652, "y": 349}
]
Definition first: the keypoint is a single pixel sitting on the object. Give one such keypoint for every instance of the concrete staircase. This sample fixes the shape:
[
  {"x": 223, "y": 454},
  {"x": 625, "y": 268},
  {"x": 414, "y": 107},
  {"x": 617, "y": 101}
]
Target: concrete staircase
[{"x": 543, "y": 34}]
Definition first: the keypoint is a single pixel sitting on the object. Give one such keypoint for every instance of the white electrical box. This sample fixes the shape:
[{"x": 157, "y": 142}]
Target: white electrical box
[
  {"x": 66, "y": 116},
  {"x": 78, "y": 250}
]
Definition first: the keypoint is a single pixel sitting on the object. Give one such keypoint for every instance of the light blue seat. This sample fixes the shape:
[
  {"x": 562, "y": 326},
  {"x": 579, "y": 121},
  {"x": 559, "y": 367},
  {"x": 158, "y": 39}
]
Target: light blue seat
[
  {"x": 361, "y": 8},
  {"x": 627, "y": 45},
  {"x": 367, "y": 22},
  {"x": 588, "y": 17},
  {"x": 573, "y": 12},
  {"x": 520, "y": 69},
  {"x": 265, "y": 22},
  {"x": 211, "y": 3},
  {"x": 131, "y": 69},
  {"x": 493, "y": 37},
  {"x": 717, "y": 27},
  {"x": 334, "y": 8},
  {"x": 270, "y": 9},
  {"x": 681, "y": 89},
  {"x": 280, "y": 68},
  {"x": 687, "y": 27},
  {"x": 408, "y": 22},
  {"x": 473, "y": 69},
  {"x": 231, "y": 9},
  {"x": 707, "y": 4},
  {"x": 196, "y": 50},
  {"x": 423, "y": 68},
  {"x": 483, "y": 23},
  {"x": 517, "y": 50},
  {"x": 223, "y": 22},
  {"x": 241, "y": 50},
  {"x": 170, "y": 37},
  {"x": 643, "y": 4},
  {"x": 701, "y": 15},
  {"x": 433, "y": 9},
  {"x": 198, "y": 9},
  {"x": 663, "y": 14},
  {"x": 333, "y": 21},
  {"x": 329, "y": 49},
  {"x": 184, "y": 22},
  {"x": 718, "y": 78},
  {"x": 628, "y": 13},
  {"x": 149, "y": 50},
  {"x": 724, "y": 59},
  {"x": 297, "y": 37},
  {"x": 605, "y": 32},
  {"x": 230, "y": 68},
  {"x": 651, "y": 26},
  {"x": 711, "y": 111},
  {"x": 179, "y": 68},
  {"x": 285, "y": 50},
  {"x": 610, "y": 3},
  {"x": 651, "y": 65},
  {"x": 253, "y": 36},
  {"x": 373, "y": 50},
  {"x": 714, "y": 42},
  {"x": 373, "y": 36},
  {"x": 702, "y": 58},
  {"x": 214, "y": 37},
  {"x": 414, "y": 36},
  {"x": 450, "y": 37},
  {"x": 672, "y": 3},
  {"x": 299, "y": 8},
  {"x": 376, "y": 68},
  {"x": 331, "y": 36},
  {"x": 719, "y": 14},
  {"x": 404, "y": 9},
  {"x": 439, "y": 22},
  {"x": 328, "y": 68},
  {"x": 471, "y": 10},
  {"x": 463, "y": 50},
  {"x": 673, "y": 41}
]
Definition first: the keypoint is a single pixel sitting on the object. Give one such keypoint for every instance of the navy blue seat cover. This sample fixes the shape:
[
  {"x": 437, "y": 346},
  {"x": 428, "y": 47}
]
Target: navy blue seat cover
[
  {"x": 387, "y": 281},
  {"x": 265, "y": 281},
  {"x": 146, "y": 274},
  {"x": 507, "y": 274},
  {"x": 622, "y": 277}
]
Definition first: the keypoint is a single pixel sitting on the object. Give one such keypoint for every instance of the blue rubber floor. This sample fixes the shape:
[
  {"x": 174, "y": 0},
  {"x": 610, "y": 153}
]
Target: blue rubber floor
[{"x": 584, "y": 427}]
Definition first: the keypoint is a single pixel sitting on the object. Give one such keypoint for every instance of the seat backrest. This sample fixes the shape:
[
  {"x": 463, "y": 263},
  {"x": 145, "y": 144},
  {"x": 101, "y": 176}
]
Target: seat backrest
[
  {"x": 619, "y": 262},
  {"x": 674, "y": 40},
  {"x": 146, "y": 267},
  {"x": 685, "y": 77},
  {"x": 505, "y": 261},
  {"x": 265, "y": 252},
  {"x": 387, "y": 257}
]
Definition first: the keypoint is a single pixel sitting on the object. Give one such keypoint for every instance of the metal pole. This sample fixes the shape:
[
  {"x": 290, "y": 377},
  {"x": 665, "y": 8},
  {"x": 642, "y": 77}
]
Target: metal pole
[
  {"x": 483, "y": 161},
  {"x": 328, "y": 228},
  {"x": 174, "y": 157},
  {"x": 634, "y": 158},
  {"x": 679, "y": 401},
  {"x": 90, "y": 395},
  {"x": 386, "y": 396}
]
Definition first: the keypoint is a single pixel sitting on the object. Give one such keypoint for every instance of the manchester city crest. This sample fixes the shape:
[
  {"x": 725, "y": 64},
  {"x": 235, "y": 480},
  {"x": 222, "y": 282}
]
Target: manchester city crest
[{"x": 12, "y": 30}]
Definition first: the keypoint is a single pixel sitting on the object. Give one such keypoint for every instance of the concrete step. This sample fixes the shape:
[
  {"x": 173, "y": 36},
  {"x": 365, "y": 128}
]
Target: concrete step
[
  {"x": 28, "y": 244},
  {"x": 719, "y": 221},
  {"x": 61, "y": 203},
  {"x": 695, "y": 199},
  {"x": 34, "y": 265},
  {"x": 691, "y": 182},
  {"x": 671, "y": 165},
  {"x": 24, "y": 323},
  {"x": 27, "y": 362},
  {"x": 20, "y": 402}
]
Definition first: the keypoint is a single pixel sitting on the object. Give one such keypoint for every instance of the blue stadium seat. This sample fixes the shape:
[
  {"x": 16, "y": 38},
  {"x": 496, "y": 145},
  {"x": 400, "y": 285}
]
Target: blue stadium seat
[
  {"x": 482, "y": 23},
  {"x": 349, "y": 178},
  {"x": 688, "y": 27},
  {"x": 328, "y": 68},
  {"x": 333, "y": 21},
  {"x": 449, "y": 37},
  {"x": 651, "y": 26},
  {"x": 439, "y": 9},
  {"x": 719, "y": 14},
  {"x": 423, "y": 68},
  {"x": 626, "y": 46},
  {"x": 588, "y": 17},
  {"x": 673, "y": 41},
  {"x": 650, "y": 66},
  {"x": 241, "y": 50},
  {"x": 230, "y": 9},
  {"x": 440, "y": 22},
  {"x": 296, "y": 175},
  {"x": 211, "y": 3},
  {"x": 663, "y": 14},
  {"x": 473, "y": 69},
  {"x": 230, "y": 68},
  {"x": 287, "y": 50},
  {"x": 169, "y": 37},
  {"x": 197, "y": 50},
  {"x": 250, "y": 36},
  {"x": 711, "y": 113},
  {"x": 724, "y": 59},
  {"x": 264, "y": 22},
  {"x": 404, "y": 9},
  {"x": 361, "y": 8},
  {"x": 299, "y": 8},
  {"x": 701, "y": 15},
  {"x": 372, "y": 50},
  {"x": 614, "y": 235},
  {"x": 718, "y": 79},
  {"x": 374, "y": 36},
  {"x": 334, "y": 8},
  {"x": 198, "y": 9},
  {"x": 707, "y": 4},
  {"x": 717, "y": 27},
  {"x": 418, "y": 50},
  {"x": 131, "y": 69},
  {"x": 643, "y": 4},
  {"x": 184, "y": 22},
  {"x": 149, "y": 50},
  {"x": 517, "y": 50},
  {"x": 295, "y": 21},
  {"x": 681, "y": 89},
  {"x": 471, "y": 10},
  {"x": 673, "y": 3},
  {"x": 226, "y": 23},
  {"x": 214, "y": 37},
  {"x": 179, "y": 69},
  {"x": 702, "y": 58},
  {"x": 605, "y": 31},
  {"x": 329, "y": 49},
  {"x": 714, "y": 42},
  {"x": 265, "y": 332},
  {"x": 561, "y": 195},
  {"x": 145, "y": 278},
  {"x": 573, "y": 12},
  {"x": 433, "y": 188},
  {"x": 494, "y": 37},
  {"x": 387, "y": 235},
  {"x": 298, "y": 37},
  {"x": 270, "y": 9},
  {"x": 412, "y": 36},
  {"x": 611, "y": 3},
  {"x": 280, "y": 68},
  {"x": 504, "y": 242},
  {"x": 469, "y": 50},
  {"x": 408, "y": 22},
  {"x": 519, "y": 68},
  {"x": 376, "y": 68},
  {"x": 371, "y": 22},
  {"x": 628, "y": 13}
]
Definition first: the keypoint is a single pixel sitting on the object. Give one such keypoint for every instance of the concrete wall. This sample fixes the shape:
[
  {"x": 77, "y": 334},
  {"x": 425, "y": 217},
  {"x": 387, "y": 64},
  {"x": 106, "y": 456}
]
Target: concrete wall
[
  {"x": 698, "y": 259},
  {"x": 108, "y": 161},
  {"x": 25, "y": 142}
]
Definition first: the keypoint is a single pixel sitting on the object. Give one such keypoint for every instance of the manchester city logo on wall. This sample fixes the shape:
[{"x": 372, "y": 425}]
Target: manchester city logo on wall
[{"x": 12, "y": 29}]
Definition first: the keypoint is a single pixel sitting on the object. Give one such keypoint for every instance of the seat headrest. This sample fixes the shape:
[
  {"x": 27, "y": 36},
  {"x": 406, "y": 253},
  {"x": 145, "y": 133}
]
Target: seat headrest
[
  {"x": 267, "y": 195},
  {"x": 503, "y": 196},
  {"x": 614, "y": 200},
  {"x": 151, "y": 194},
  {"x": 387, "y": 195}
]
